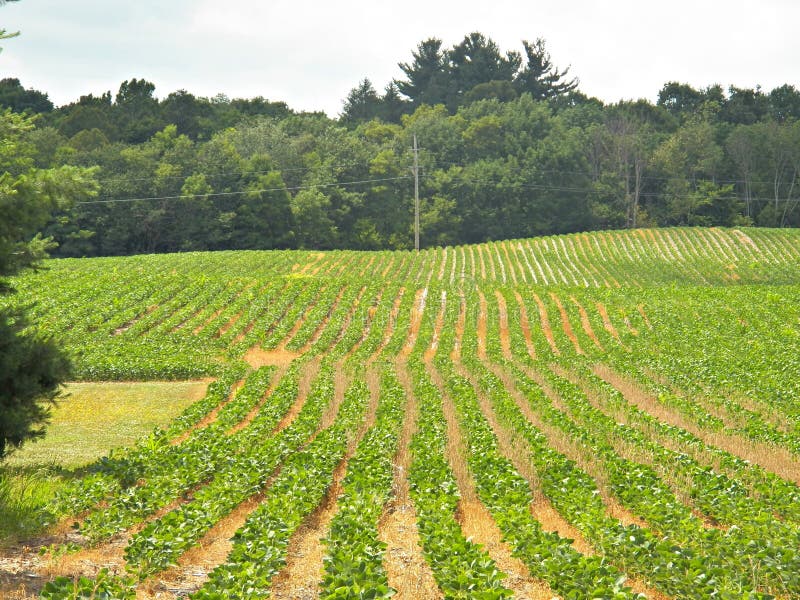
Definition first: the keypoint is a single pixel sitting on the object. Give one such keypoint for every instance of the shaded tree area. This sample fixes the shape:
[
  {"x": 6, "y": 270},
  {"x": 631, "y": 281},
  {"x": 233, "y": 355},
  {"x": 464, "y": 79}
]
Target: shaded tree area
[
  {"x": 31, "y": 366},
  {"x": 509, "y": 147}
]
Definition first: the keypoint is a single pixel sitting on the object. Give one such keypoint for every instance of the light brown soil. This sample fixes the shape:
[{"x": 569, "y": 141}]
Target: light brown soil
[
  {"x": 248, "y": 418},
  {"x": 205, "y": 323},
  {"x": 505, "y": 336},
  {"x": 545, "y": 322},
  {"x": 772, "y": 458},
  {"x": 417, "y": 311},
  {"x": 301, "y": 576},
  {"x": 476, "y": 521},
  {"x": 298, "y": 324},
  {"x": 258, "y": 357},
  {"x": 430, "y": 351},
  {"x": 525, "y": 325},
  {"x": 587, "y": 324},
  {"x": 512, "y": 264},
  {"x": 565, "y": 324},
  {"x": 123, "y": 328},
  {"x": 642, "y": 312},
  {"x": 479, "y": 526},
  {"x": 323, "y": 324},
  {"x": 481, "y": 326},
  {"x": 347, "y": 319},
  {"x": 231, "y": 322},
  {"x": 366, "y": 329},
  {"x": 196, "y": 563},
  {"x": 242, "y": 334},
  {"x": 389, "y": 330},
  {"x": 210, "y": 417},
  {"x": 455, "y": 353},
  {"x": 608, "y": 325},
  {"x": 388, "y": 267},
  {"x": 405, "y": 565},
  {"x": 541, "y": 508},
  {"x": 309, "y": 373}
]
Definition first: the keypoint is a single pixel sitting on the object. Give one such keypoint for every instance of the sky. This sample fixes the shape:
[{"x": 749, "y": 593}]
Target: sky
[{"x": 311, "y": 54}]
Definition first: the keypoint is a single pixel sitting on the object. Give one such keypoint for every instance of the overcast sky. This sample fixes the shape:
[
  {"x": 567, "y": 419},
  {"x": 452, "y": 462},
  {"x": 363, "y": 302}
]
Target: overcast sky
[{"x": 310, "y": 54}]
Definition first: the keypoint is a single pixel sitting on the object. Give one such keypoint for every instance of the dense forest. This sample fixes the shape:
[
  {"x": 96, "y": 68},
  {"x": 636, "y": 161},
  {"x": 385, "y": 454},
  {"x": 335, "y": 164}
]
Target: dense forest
[{"x": 509, "y": 148}]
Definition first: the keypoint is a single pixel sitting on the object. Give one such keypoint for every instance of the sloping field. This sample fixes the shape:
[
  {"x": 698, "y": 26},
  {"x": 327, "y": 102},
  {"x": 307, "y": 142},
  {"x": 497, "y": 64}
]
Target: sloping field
[{"x": 603, "y": 415}]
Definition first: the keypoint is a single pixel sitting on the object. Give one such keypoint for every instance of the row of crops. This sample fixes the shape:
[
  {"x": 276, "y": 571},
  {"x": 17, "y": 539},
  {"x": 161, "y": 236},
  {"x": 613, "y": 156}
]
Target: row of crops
[{"x": 657, "y": 424}]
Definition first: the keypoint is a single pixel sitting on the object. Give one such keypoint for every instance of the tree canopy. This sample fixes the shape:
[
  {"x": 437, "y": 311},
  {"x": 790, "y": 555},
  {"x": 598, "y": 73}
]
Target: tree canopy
[{"x": 509, "y": 147}]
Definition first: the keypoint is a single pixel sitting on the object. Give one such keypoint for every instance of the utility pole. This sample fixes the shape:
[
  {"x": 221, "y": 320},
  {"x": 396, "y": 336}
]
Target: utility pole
[{"x": 416, "y": 195}]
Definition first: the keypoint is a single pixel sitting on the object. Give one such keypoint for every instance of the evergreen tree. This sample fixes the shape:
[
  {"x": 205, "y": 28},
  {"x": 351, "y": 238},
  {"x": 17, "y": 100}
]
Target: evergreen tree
[
  {"x": 31, "y": 368},
  {"x": 539, "y": 77},
  {"x": 427, "y": 75}
]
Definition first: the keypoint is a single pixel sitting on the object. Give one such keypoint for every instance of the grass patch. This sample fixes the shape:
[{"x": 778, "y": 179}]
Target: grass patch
[{"x": 90, "y": 421}]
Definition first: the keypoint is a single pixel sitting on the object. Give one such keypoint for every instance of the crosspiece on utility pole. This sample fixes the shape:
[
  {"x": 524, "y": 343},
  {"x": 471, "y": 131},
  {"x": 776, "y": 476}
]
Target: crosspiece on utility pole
[{"x": 416, "y": 195}]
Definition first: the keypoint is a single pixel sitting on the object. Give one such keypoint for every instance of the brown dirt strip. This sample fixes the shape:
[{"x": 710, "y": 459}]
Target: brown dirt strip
[
  {"x": 730, "y": 420},
  {"x": 481, "y": 326},
  {"x": 214, "y": 547},
  {"x": 417, "y": 311},
  {"x": 388, "y": 267},
  {"x": 545, "y": 322},
  {"x": 298, "y": 324},
  {"x": 475, "y": 520},
  {"x": 512, "y": 265},
  {"x": 258, "y": 357},
  {"x": 642, "y": 312},
  {"x": 566, "y": 325},
  {"x": 365, "y": 330},
  {"x": 442, "y": 265},
  {"x": 123, "y": 328},
  {"x": 633, "y": 453},
  {"x": 484, "y": 250},
  {"x": 315, "y": 259},
  {"x": 505, "y": 337},
  {"x": 545, "y": 513},
  {"x": 608, "y": 325},
  {"x": 252, "y": 323},
  {"x": 347, "y": 320},
  {"x": 209, "y": 418},
  {"x": 183, "y": 323},
  {"x": 307, "y": 377},
  {"x": 301, "y": 576},
  {"x": 404, "y": 560},
  {"x": 279, "y": 373},
  {"x": 217, "y": 313},
  {"x": 587, "y": 324},
  {"x": 525, "y": 325},
  {"x": 562, "y": 442},
  {"x": 211, "y": 550},
  {"x": 231, "y": 322},
  {"x": 455, "y": 353},
  {"x": 324, "y": 323},
  {"x": 214, "y": 315},
  {"x": 430, "y": 351},
  {"x": 389, "y": 330},
  {"x": 772, "y": 458},
  {"x": 591, "y": 258}
]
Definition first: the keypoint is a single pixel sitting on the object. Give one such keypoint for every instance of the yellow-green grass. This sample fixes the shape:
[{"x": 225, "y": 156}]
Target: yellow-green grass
[{"x": 92, "y": 419}]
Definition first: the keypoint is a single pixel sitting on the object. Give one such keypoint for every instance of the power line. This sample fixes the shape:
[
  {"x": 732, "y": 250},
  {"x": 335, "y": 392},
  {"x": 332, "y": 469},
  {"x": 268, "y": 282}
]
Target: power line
[{"x": 242, "y": 192}]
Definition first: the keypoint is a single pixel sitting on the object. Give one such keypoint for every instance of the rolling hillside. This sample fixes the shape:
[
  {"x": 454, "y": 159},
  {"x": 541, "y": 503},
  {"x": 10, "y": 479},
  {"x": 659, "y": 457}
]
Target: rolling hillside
[{"x": 609, "y": 415}]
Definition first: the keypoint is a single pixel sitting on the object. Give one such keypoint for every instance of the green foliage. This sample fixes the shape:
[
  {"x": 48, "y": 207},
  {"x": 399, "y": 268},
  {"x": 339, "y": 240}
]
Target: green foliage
[{"x": 104, "y": 586}]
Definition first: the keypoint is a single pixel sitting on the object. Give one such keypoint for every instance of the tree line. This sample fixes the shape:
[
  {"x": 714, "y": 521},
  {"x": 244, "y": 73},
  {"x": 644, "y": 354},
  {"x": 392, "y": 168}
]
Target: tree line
[{"x": 509, "y": 148}]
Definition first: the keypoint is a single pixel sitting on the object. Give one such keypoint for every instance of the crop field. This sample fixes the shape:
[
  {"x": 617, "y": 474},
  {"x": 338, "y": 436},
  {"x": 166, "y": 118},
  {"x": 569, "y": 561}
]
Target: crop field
[{"x": 602, "y": 415}]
